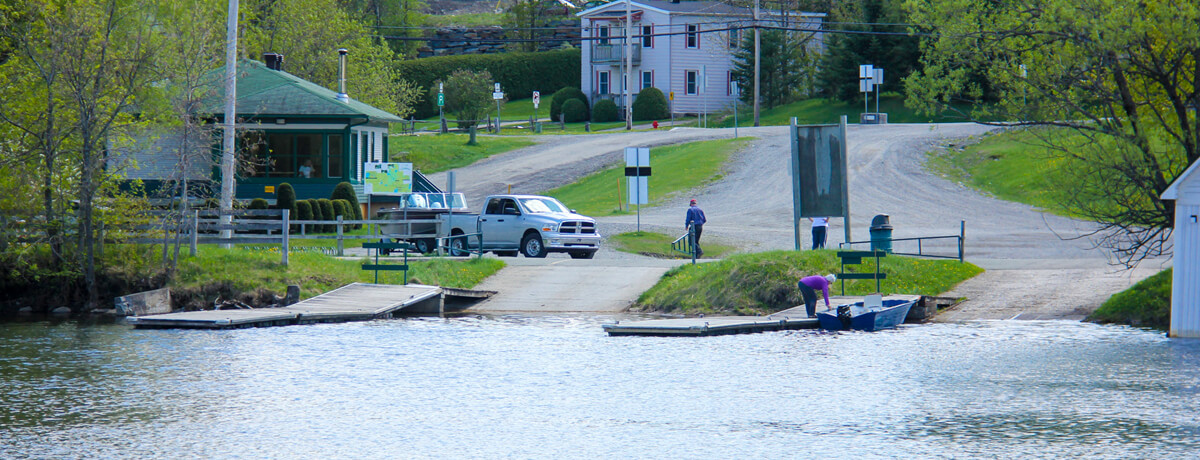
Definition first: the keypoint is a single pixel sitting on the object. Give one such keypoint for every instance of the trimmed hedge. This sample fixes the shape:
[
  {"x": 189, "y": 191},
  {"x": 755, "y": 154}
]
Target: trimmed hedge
[
  {"x": 519, "y": 74},
  {"x": 604, "y": 110},
  {"x": 574, "y": 111},
  {"x": 342, "y": 208},
  {"x": 345, "y": 191},
  {"x": 327, "y": 214},
  {"x": 562, "y": 96},
  {"x": 650, "y": 105},
  {"x": 285, "y": 198},
  {"x": 315, "y": 208}
]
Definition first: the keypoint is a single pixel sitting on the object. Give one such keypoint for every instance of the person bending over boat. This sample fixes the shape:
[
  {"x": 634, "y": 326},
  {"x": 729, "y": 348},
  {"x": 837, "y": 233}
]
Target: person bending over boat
[{"x": 808, "y": 286}]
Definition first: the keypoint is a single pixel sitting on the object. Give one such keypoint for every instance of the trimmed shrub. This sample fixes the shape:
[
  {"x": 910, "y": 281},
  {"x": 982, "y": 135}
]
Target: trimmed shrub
[
  {"x": 604, "y": 110},
  {"x": 345, "y": 191},
  {"x": 561, "y": 97},
  {"x": 317, "y": 215},
  {"x": 327, "y": 214},
  {"x": 520, "y": 74},
  {"x": 258, "y": 203},
  {"x": 574, "y": 111},
  {"x": 342, "y": 208},
  {"x": 304, "y": 211},
  {"x": 650, "y": 105},
  {"x": 285, "y": 198}
]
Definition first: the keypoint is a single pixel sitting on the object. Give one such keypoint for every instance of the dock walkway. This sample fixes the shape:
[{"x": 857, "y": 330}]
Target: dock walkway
[{"x": 352, "y": 302}]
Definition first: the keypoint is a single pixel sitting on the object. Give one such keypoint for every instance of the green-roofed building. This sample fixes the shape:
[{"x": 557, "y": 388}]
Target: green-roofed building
[{"x": 289, "y": 130}]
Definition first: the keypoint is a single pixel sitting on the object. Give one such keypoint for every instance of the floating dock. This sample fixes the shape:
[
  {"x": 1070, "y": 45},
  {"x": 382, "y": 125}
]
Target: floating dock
[
  {"x": 790, "y": 319},
  {"x": 352, "y": 302}
]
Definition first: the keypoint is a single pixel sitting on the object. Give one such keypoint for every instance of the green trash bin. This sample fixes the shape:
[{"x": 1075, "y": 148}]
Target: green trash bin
[{"x": 881, "y": 233}]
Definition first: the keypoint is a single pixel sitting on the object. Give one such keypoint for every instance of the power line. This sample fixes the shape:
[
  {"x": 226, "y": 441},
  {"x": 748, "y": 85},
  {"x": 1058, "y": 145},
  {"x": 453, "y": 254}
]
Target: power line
[{"x": 659, "y": 34}]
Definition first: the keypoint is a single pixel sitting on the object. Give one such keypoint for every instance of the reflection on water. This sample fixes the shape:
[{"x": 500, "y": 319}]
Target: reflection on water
[{"x": 557, "y": 386}]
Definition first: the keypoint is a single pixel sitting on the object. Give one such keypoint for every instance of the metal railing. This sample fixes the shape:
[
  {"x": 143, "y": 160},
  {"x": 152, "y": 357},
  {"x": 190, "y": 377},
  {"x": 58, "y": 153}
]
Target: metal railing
[
  {"x": 959, "y": 240},
  {"x": 615, "y": 53}
]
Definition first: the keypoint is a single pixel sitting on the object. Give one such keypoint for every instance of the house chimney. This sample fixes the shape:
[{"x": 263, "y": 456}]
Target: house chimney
[
  {"x": 274, "y": 61},
  {"x": 341, "y": 95}
]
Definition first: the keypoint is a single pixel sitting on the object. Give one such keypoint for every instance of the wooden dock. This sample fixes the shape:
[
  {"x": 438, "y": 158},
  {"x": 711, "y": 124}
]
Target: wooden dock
[
  {"x": 790, "y": 319},
  {"x": 352, "y": 302}
]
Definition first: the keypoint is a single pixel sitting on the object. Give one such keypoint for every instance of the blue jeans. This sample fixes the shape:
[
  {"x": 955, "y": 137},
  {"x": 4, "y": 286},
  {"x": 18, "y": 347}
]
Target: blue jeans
[{"x": 819, "y": 237}]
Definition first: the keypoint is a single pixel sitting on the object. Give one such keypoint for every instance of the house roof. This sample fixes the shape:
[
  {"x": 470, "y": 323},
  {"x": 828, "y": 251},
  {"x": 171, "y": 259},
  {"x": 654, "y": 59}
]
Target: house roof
[
  {"x": 1172, "y": 191},
  {"x": 691, "y": 7},
  {"x": 262, "y": 91}
]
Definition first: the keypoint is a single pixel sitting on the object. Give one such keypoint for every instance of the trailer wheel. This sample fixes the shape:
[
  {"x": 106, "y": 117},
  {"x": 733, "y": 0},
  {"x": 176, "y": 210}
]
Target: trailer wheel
[{"x": 425, "y": 245}]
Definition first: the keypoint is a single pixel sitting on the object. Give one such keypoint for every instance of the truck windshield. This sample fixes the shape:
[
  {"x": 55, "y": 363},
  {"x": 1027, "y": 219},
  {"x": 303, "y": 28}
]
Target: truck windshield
[{"x": 543, "y": 205}]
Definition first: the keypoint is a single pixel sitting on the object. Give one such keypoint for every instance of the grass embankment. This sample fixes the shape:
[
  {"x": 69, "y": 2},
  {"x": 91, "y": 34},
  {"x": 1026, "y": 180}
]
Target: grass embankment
[
  {"x": 824, "y": 111},
  {"x": 676, "y": 168},
  {"x": 253, "y": 276},
  {"x": 765, "y": 282},
  {"x": 464, "y": 20},
  {"x": 1146, "y": 304},
  {"x": 659, "y": 245},
  {"x": 441, "y": 152}
]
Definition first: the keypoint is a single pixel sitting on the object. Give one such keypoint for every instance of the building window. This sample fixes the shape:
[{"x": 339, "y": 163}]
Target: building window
[
  {"x": 602, "y": 82},
  {"x": 602, "y": 32},
  {"x": 647, "y": 37},
  {"x": 647, "y": 79},
  {"x": 334, "y": 168},
  {"x": 735, "y": 38},
  {"x": 691, "y": 79},
  {"x": 693, "y": 37}
]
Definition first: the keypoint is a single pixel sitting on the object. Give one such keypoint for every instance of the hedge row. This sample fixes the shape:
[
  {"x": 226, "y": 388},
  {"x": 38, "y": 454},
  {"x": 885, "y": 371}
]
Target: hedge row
[{"x": 519, "y": 74}]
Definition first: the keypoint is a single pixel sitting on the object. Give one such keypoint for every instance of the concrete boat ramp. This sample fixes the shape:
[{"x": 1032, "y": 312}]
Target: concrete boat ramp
[
  {"x": 352, "y": 302},
  {"x": 792, "y": 318}
]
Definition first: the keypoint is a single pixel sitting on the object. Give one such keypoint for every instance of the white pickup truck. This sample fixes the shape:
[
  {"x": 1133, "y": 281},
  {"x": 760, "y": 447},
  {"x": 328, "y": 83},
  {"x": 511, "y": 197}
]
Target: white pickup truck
[{"x": 529, "y": 224}]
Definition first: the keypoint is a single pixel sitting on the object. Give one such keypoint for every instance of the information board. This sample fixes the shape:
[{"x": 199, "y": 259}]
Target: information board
[{"x": 387, "y": 178}]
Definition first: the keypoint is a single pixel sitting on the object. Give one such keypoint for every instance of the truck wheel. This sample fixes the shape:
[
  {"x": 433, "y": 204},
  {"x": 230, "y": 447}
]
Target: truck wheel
[
  {"x": 532, "y": 246},
  {"x": 458, "y": 246},
  {"x": 582, "y": 254},
  {"x": 425, "y": 245}
]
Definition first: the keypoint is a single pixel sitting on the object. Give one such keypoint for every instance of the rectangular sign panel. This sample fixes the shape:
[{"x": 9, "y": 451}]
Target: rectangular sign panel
[
  {"x": 639, "y": 189},
  {"x": 387, "y": 178},
  {"x": 819, "y": 170}
]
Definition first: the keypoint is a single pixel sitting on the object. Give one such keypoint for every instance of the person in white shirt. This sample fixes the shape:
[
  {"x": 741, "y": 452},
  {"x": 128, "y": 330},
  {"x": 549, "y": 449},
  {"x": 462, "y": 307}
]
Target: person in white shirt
[{"x": 820, "y": 227}]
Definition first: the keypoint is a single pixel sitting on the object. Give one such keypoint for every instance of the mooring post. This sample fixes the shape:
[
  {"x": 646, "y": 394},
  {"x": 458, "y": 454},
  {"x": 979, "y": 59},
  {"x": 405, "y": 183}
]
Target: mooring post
[
  {"x": 286, "y": 233},
  {"x": 339, "y": 235}
]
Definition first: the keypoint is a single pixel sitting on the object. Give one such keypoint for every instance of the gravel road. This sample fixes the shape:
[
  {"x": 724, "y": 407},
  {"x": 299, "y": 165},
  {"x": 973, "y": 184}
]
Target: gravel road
[{"x": 1039, "y": 266}]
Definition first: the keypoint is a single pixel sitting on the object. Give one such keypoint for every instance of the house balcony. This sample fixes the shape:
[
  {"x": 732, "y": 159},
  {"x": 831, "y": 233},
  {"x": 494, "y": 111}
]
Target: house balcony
[{"x": 614, "y": 54}]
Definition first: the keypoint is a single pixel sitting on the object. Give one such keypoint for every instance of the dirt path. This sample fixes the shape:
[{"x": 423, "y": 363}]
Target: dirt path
[{"x": 1033, "y": 272}]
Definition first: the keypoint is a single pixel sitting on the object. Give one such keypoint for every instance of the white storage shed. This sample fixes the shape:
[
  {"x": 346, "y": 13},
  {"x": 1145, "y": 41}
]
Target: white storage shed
[{"x": 1185, "y": 282}]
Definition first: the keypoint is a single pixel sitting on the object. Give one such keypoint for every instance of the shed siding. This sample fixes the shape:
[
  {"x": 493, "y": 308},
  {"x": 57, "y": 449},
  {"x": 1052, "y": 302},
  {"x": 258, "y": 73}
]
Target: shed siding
[
  {"x": 1189, "y": 192},
  {"x": 1185, "y": 283}
]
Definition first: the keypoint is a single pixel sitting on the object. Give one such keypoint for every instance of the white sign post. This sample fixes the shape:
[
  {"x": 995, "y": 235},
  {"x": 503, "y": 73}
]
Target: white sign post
[
  {"x": 498, "y": 96},
  {"x": 637, "y": 173},
  {"x": 877, "y": 81},
  {"x": 537, "y": 98},
  {"x": 865, "y": 74}
]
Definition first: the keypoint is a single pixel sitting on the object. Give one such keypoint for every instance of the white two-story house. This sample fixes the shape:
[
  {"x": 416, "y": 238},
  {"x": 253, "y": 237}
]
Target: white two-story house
[{"x": 683, "y": 48}]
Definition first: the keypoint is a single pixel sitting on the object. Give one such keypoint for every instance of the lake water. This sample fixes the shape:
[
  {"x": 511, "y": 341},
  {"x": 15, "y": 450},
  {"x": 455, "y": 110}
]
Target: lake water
[{"x": 558, "y": 387}]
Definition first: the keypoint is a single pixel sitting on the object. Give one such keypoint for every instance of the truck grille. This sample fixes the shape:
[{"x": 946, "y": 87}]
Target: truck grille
[{"x": 580, "y": 227}]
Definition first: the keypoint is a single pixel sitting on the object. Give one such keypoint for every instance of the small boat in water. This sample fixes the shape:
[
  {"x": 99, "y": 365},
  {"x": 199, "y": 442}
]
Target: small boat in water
[{"x": 872, "y": 314}]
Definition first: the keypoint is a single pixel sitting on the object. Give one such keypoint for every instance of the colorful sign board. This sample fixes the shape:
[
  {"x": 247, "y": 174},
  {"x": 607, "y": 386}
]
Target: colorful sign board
[{"x": 387, "y": 178}]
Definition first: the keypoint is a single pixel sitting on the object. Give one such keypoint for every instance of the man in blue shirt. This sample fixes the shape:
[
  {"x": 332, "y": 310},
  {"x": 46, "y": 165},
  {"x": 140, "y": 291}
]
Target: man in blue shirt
[{"x": 695, "y": 222}]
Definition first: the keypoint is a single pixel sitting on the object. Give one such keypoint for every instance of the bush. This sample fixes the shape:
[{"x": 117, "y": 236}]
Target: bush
[
  {"x": 304, "y": 210},
  {"x": 561, "y": 97},
  {"x": 342, "y": 208},
  {"x": 327, "y": 214},
  {"x": 519, "y": 74},
  {"x": 650, "y": 105},
  {"x": 574, "y": 111},
  {"x": 345, "y": 191},
  {"x": 315, "y": 206},
  {"x": 258, "y": 203},
  {"x": 604, "y": 110},
  {"x": 285, "y": 198}
]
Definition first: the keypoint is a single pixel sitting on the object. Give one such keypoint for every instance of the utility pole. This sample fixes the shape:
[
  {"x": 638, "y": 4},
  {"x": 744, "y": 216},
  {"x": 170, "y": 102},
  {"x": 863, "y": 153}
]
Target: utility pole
[
  {"x": 757, "y": 59},
  {"x": 628, "y": 64},
  {"x": 227, "y": 157}
]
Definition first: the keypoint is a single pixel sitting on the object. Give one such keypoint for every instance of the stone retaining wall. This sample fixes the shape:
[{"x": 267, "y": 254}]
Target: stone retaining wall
[{"x": 453, "y": 41}]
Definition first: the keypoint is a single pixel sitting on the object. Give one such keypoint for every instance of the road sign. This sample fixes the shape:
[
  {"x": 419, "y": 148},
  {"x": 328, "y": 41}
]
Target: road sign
[
  {"x": 637, "y": 160},
  {"x": 537, "y": 98},
  {"x": 441, "y": 99},
  {"x": 671, "y": 95},
  {"x": 497, "y": 87},
  {"x": 497, "y": 95}
]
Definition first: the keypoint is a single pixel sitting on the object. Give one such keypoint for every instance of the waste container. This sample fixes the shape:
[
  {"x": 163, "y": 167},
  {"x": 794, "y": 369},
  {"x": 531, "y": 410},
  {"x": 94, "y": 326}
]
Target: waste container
[{"x": 881, "y": 233}]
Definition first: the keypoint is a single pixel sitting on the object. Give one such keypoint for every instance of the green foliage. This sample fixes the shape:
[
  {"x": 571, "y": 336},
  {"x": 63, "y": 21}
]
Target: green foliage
[
  {"x": 561, "y": 96},
  {"x": 898, "y": 55},
  {"x": 519, "y": 74},
  {"x": 465, "y": 20},
  {"x": 659, "y": 245},
  {"x": 398, "y": 17},
  {"x": 258, "y": 203},
  {"x": 528, "y": 20},
  {"x": 574, "y": 111},
  {"x": 285, "y": 198},
  {"x": 327, "y": 213},
  {"x": 677, "y": 168},
  {"x": 431, "y": 154},
  {"x": 468, "y": 96},
  {"x": 650, "y": 104},
  {"x": 604, "y": 111},
  {"x": 1146, "y": 304},
  {"x": 787, "y": 70},
  {"x": 823, "y": 111},
  {"x": 317, "y": 214},
  {"x": 763, "y": 283},
  {"x": 304, "y": 210},
  {"x": 345, "y": 191}
]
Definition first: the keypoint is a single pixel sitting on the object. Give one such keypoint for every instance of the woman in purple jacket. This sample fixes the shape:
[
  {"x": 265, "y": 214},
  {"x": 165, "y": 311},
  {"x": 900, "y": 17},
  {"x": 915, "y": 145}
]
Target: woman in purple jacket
[{"x": 808, "y": 286}]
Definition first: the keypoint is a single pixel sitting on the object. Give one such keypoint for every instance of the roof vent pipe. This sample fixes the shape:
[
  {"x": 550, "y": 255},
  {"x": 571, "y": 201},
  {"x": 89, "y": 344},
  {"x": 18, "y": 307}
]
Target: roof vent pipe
[{"x": 341, "y": 95}]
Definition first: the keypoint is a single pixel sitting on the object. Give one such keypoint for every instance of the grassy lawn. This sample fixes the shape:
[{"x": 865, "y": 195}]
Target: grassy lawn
[
  {"x": 441, "y": 152},
  {"x": 659, "y": 245},
  {"x": 1146, "y": 304},
  {"x": 1011, "y": 167},
  {"x": 232, "y": 272},
  {"x": 765, "y": 282},
  {"x": 825, "y": 111},
  {"x": 677, "y": 168}
]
